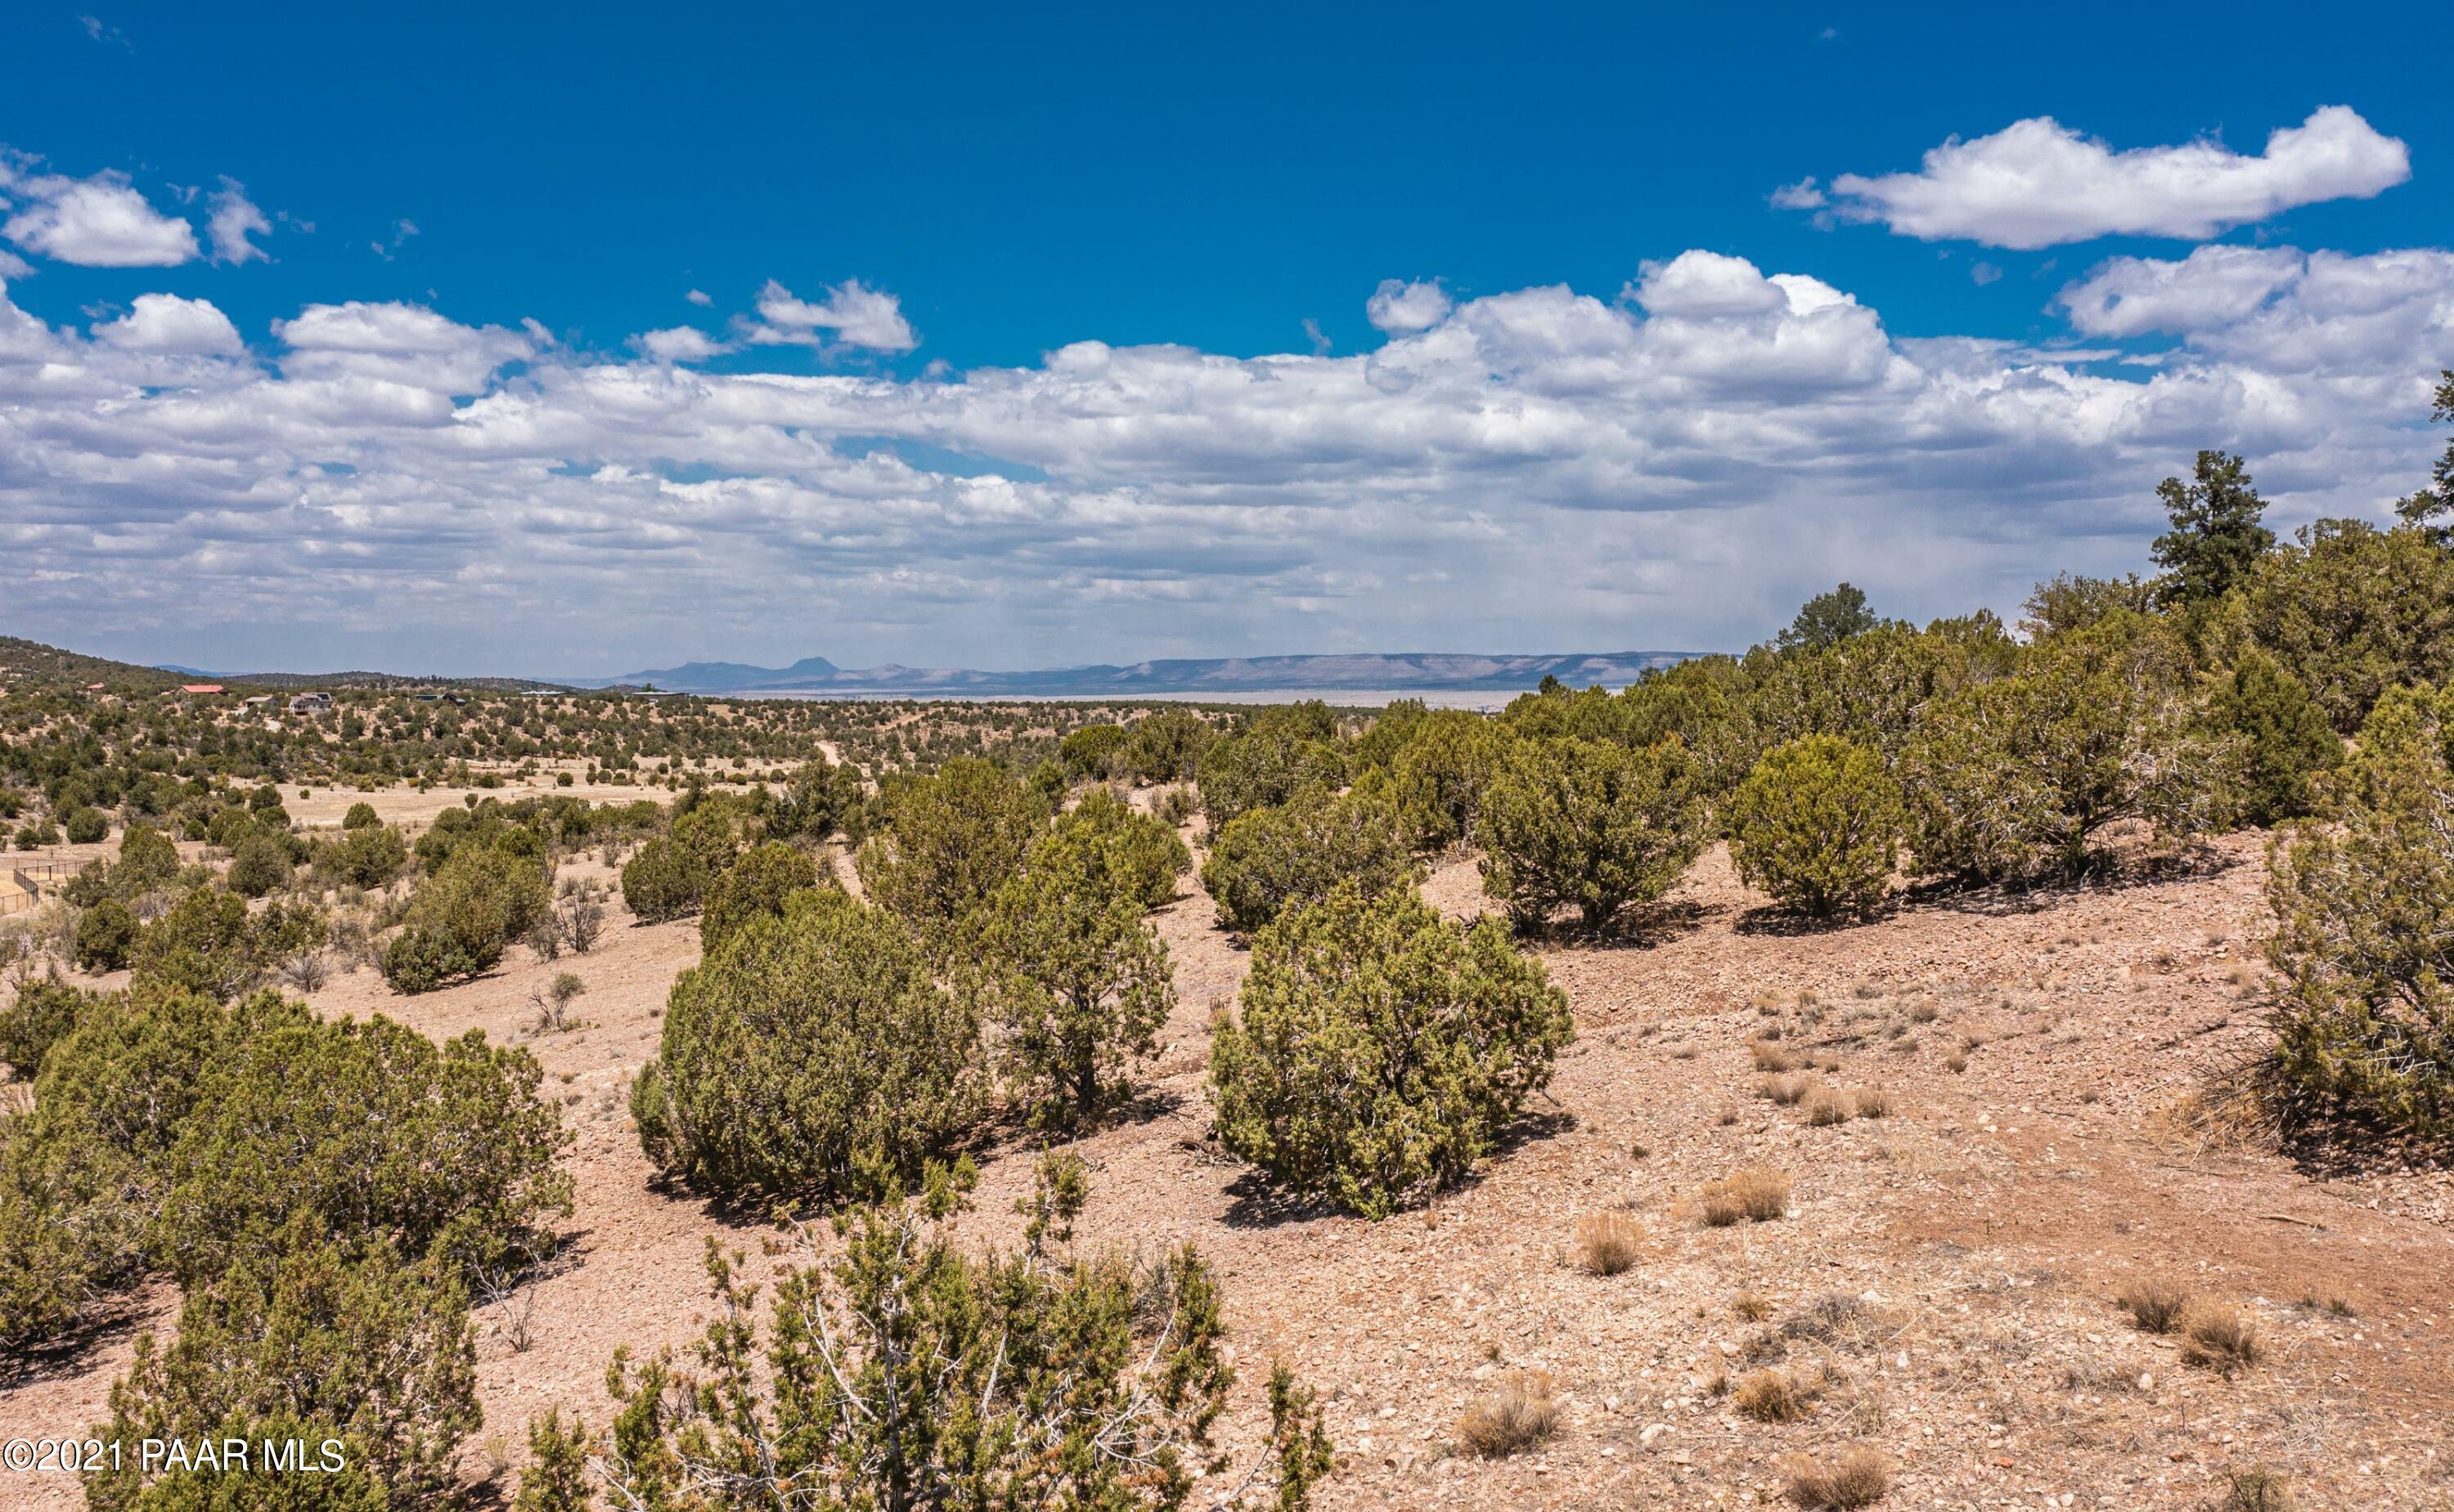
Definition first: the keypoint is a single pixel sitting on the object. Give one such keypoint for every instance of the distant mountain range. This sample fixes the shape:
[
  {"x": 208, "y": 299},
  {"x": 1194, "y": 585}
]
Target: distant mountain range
[{"x": 1416, "y": 671}]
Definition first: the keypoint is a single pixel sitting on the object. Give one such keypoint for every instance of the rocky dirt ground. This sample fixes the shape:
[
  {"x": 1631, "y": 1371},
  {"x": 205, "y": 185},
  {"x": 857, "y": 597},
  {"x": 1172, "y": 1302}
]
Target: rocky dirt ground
[{"x": 1941, "y": 1279}]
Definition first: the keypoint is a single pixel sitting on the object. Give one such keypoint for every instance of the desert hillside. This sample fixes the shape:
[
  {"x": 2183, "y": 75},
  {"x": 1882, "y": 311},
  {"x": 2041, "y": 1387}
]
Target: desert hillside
[{"x": 1940, "y": 1285}]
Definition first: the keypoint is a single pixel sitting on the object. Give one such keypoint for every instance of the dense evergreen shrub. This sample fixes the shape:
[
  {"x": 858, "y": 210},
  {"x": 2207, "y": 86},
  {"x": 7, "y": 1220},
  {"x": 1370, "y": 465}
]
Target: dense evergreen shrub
[
  {"x": 1557, "y": 711},
  {"x": 2284, "y": 737},
  {"x": 203, "y": 943},
  {"x": 1163, "y": 747},
  {"x": 2351, "y": 611},
  {"x": 369, "y": 1129},
  {"x": 1817, "y": 825},
  {"x": 1143, "y": 855},
  {"x": 72, "y": 1218},
  {"x": 1440, "y": 774},
  {"x": 1271, "y": 859},
  {"x": 148, "y": 860},
  {"x": 663, "y": 880},
  {"x": 811, "y": 1056},
  {"x": 105, "y": 935},
  {"x": 2013, "y": 779},
  {"x": 2069, "y": 602},
  {"x": 420, "y": 960},
  {"x": 1090, "y": 753},
  {"x": 1702, "y": 704},
  {"x": 950, "y": 838},
  {"x": 258, "y": 865},
  {"x": 39, "y": 1013},
  {"x": 1266, "y": 766},
  {"x": 1378, "y": 1050},
  {"x": 82, "y": 1175},
  {"x": 1589, "y": 825},
  {"x": 754, "y": 886},
  {"x": 1076, "y": 980},
  {"x": 2364, "y": 931},
  {"x": 361, "y": 816},
  {"x": 367, "y": 856},
  {"x": 1873, "y": 687},
  {"x": 465, "y": 914},
  {"x": 821, "y": 801},
  {"x": 85, "y": 826},
  {"x": 305, "y": 1340}
]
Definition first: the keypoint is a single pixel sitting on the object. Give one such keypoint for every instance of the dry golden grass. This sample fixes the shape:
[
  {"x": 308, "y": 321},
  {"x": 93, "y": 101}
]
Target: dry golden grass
[
  {"x": 1607, "y": 1242},
  {"x": 2257, "y": 1489},
  {"x": 2220, "y": 1336},
  {"x": 1859, "y": 1478},
  {"x": 1770, "y": 1056},
  {"x": 1751, "y": 1308},
  {"x": 1750, "y": 1194},
  {"x": 1519, "y": 1417},
  {"x": 1773, "y": 1396},
  {"x": 1782, "y": 1091},
  {"x": 2154, "y": 1305},
  {"x": 1872, "y": 1103},
  {"x": 1828, "y": 1106}
]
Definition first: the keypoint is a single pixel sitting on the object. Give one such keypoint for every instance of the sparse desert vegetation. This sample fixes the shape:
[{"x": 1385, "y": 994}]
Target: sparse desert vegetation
[{"x": 1780, "y": 1063}]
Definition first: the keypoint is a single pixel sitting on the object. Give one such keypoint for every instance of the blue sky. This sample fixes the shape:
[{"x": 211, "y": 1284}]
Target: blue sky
[{"x": 994, "y": 184}]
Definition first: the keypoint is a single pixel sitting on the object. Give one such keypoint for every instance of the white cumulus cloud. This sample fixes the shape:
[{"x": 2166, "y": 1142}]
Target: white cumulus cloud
[
  {"x": 96, "y": 222},
  {"x": 2037, "y": 183},
  {"x": 678, "y": 343},
  {"x": 234, "y": 220},
  {"x": 852, "y": 315},
  {"x": 1676, "y": 464},
  {"x": 166, "y": 323},
  {"x": 1401, "y": 307}
]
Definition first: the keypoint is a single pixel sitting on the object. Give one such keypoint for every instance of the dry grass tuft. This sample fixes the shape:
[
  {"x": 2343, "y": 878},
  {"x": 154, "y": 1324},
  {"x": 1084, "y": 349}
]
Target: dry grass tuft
[
  {"x": 2221, "y": 1337},
  {"x": 1521, "y": 1416},
  {"x": 1773, "y": 1396},
  {"x": 1859, "y": 1478},
  {"x": 1784, "y": 1091},
  {"x": 1751, "y": 1308},
  {"x": 1826, "y": 1318},
  {"x": 1873, "y": 1104},
  {"x": 1770, "y": 1056},
  {"x": 2154, "y": 1305},
  {"x": 1826, "y": 1106},
  {"x": 2257, "y": 1489},
  {"x": 1607, "y": 1241},
  {"x": 1750, "y": 1194}
]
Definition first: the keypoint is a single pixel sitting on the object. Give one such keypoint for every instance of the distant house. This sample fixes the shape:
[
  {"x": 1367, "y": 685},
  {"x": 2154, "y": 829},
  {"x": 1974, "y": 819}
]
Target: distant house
[
  {"x": 201, "y": 689},
  {"x": 260, "y": 701},
  {"x": 311, "y": 704}
]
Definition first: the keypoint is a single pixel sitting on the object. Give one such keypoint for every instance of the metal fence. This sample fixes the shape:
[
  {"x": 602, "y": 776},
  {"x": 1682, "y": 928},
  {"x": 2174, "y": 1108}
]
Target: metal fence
[{"x": 27, "y": 882}]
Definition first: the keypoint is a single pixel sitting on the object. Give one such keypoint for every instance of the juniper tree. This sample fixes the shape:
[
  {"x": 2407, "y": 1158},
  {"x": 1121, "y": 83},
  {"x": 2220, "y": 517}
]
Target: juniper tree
[
  {"x": 2364, "y": 930},
  {"x": 1586, "y": 825},
  {"x": 1378, "y": 1050},
  {"x": 1077, "y": 980},
  {"x": 1817, "y": 825}
]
